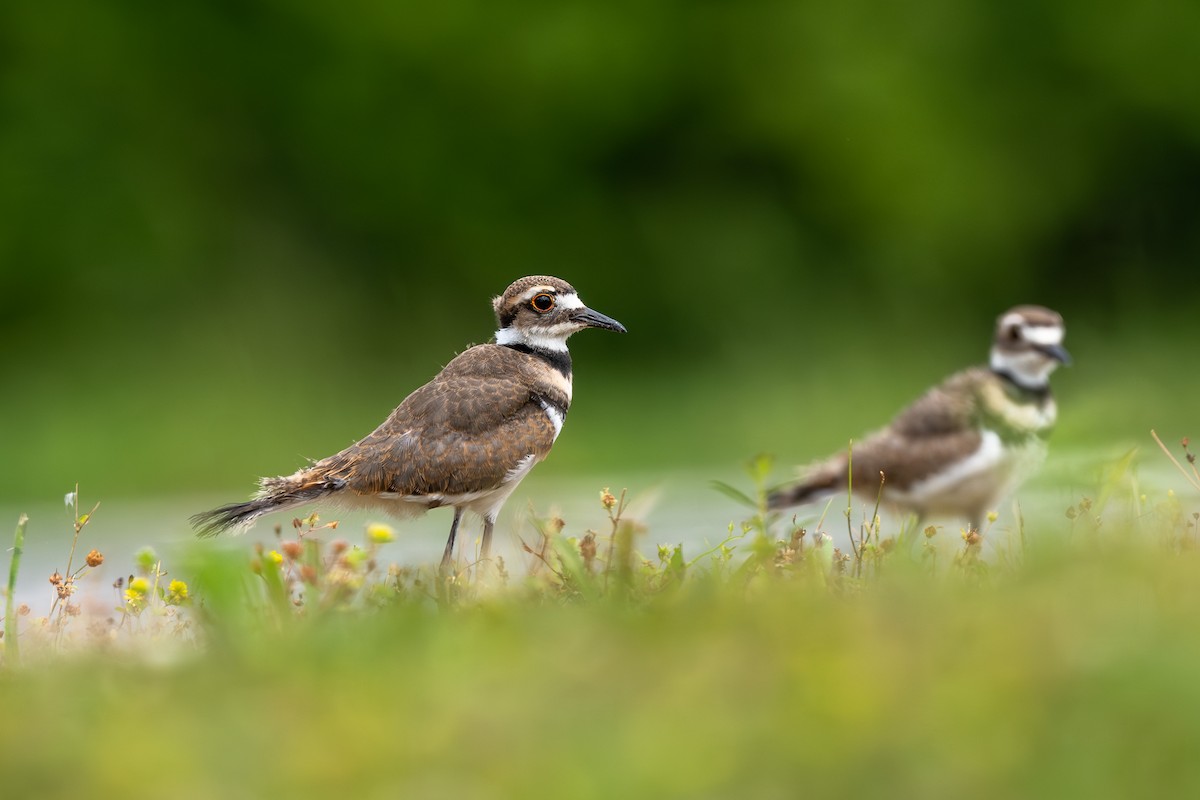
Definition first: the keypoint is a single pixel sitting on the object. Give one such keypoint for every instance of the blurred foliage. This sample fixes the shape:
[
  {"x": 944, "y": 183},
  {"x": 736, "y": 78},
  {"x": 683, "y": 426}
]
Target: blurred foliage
[
  {"x": 1067, "y": 672},
  {"x": 205, "y": 204}
]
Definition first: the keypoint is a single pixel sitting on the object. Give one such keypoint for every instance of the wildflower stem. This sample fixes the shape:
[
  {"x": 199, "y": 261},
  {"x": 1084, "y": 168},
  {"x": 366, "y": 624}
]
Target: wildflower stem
[
  {"x": 615, "y": 521},
  {"x": 1193, "y": 481},
  {"x": 850, "y": 497},
  {"x": 75, "y": 522},
  {"x": 10, "y": 618}
]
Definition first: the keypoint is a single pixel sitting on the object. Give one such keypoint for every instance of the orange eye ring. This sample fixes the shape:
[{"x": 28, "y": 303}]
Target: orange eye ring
[{"x": 542, "y": 303}]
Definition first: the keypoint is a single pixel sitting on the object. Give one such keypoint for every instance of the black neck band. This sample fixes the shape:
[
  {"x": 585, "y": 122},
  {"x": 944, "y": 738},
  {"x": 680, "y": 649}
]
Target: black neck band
[
  {"x": 1037, "y": 392},
  {"x": 559, "y": 359}
]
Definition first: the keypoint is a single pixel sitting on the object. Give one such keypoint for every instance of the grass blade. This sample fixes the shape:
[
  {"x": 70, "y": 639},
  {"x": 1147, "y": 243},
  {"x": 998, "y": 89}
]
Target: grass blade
[
  {"x": 11, "y": 649},
  {"x": 734, "y": 494}
]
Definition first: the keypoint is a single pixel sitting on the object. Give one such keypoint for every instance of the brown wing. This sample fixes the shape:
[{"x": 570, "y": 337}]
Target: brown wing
[
  {"x": 939, "y": 428},
  {"x": 462, "y": 432},
  {"x": 950, "y": 407},
  {"x": 905, "y": 460}
]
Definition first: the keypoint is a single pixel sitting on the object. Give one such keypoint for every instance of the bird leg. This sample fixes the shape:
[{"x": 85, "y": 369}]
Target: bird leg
[
  {"x": 449, "y": 554},
  {"x": 485, "y": 546}
]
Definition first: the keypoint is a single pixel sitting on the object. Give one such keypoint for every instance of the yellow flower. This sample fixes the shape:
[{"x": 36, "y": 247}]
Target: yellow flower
[
  {"x": 378, "y": 533},
  {"x": 135, "y": 595},
  {"x": 177, "y": 592},
  {"x": 992, "y": 516},
  {"x": 275, "y": 557}
]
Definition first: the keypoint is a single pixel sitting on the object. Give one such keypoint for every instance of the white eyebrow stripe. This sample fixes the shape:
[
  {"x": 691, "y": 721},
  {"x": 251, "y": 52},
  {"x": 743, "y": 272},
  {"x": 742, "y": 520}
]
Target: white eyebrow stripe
[
  {"x": 1012, "y": 319},
  {"x": 570, "y": 300},
  {"x": 534, "y": 291},
  {"x": 1044, "y": 334},
  {"x": 566, "y": 300}
]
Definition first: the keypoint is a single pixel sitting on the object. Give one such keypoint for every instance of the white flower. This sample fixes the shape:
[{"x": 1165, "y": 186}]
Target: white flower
[{"x": 69, "y": 499}]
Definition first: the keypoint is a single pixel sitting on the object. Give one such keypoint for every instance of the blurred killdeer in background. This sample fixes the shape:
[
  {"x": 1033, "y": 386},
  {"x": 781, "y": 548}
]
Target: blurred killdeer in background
[
  {"x": 466, "y": 438},
  {"x": 966, "y": 443}
]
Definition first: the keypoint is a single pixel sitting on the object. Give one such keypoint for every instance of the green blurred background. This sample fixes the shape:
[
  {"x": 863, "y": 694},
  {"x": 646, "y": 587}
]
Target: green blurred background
[{"x": 233, "y": 235}]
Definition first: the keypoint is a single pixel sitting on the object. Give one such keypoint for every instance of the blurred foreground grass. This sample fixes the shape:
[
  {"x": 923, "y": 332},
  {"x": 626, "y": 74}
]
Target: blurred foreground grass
[{"x": 766, "y": 667}]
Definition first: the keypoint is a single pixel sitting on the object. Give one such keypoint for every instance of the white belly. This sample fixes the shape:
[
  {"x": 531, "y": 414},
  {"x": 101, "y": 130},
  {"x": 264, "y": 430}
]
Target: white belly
[{"x": 975, "y": 485}]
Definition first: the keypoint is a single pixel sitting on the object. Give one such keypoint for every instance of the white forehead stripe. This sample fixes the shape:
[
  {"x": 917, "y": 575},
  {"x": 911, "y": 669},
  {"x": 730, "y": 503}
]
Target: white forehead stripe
[{"x": 1043, "y": 334}]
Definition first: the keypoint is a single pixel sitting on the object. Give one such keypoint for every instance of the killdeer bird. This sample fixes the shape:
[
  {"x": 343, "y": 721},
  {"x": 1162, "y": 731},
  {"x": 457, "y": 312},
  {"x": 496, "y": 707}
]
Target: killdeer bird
[
  {"x": 966, "y": 443},
  {"x": 466, "y": 438}
]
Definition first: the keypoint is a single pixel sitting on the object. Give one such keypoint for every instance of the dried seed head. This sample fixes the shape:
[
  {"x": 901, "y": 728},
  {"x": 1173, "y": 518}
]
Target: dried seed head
[
  {"x": 56, "y": 579},
  {"x": 23, "y": 610},
  {"x": 292, "y": 549},
  {"x": 796, "y": 542},
  {"x": 930, "y": 532},
  {"x": 587, "y": 549},
  {"x": 73, "y": 609},
  {"x": 973, "y": 537},
  {"x": 95, "y": 558},
  {"x": 339, "y": 546},
  {"x": 607, "y": 499}
]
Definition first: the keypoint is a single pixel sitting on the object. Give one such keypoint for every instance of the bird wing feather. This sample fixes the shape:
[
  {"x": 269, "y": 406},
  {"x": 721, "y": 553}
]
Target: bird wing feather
[{"x": 462, "y": 432}]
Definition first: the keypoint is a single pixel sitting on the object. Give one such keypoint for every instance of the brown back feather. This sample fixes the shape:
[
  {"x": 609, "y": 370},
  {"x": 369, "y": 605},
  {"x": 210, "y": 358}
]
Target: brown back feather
[{"x": 461, "y": 432}]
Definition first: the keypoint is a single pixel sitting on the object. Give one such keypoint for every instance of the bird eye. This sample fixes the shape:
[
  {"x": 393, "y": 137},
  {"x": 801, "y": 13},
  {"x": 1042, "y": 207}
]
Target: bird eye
[
  {"x": 1014, "y": 333},
  {"x": 542, "y": 303}
]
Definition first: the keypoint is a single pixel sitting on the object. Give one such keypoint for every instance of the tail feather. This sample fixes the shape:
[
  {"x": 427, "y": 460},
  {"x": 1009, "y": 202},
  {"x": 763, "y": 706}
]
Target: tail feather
[
  {"x": 276, "y": 494},
  {"x": 803, "y": 491},
  {"x": 234, "y": 515}
]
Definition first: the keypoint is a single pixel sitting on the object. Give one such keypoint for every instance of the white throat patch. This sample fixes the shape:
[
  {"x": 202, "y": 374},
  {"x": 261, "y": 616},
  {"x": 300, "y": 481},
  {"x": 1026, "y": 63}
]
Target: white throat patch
[
  {"x": 553, "y": 338},
  {"x": 1031, "y": 369}
]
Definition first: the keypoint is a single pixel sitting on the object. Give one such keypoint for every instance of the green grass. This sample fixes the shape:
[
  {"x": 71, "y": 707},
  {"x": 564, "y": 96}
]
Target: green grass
[{"x": 765, "y": 667}]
